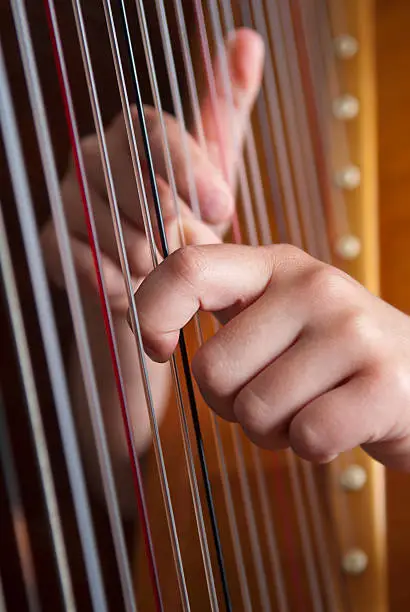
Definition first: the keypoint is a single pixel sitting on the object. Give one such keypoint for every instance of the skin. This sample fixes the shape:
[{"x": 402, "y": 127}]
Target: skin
[
  {"x": 306, "y": 357},
  {"x": 334, "y": 373},
  {"x": 217, "y": 203}
]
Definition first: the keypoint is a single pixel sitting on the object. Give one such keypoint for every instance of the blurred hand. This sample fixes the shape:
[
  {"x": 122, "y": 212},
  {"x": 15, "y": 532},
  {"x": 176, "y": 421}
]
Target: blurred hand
[{"x": 216, "y": 201}]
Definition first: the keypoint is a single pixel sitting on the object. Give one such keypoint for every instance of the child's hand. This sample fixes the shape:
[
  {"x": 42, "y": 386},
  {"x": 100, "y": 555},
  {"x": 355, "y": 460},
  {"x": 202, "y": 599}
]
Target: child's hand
[{"x": 307, "y": 357}]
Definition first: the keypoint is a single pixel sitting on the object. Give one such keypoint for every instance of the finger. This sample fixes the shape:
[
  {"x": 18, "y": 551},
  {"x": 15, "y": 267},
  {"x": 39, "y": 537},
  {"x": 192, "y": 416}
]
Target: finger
[
  {"x": 355, "y": 414},
  {"x": 239, "y": 351},
  {"x": 189, "y": 231},
  {"x": 212, "y": 278},
  {"x": 215, "y": 199},
  {"x": 317, "y": 362},
  {"x": 135, "y": 242},
  {"x": 225, "y": 123},
  {"x": 85, "y": 269},
  {"x": 338, "y": 421}
]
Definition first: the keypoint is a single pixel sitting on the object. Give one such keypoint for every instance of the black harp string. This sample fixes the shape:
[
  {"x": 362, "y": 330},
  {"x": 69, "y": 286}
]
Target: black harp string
[
  {"x": 48, "y": 329},
  {"x": 18, "y": 515},
  {"x": 195, "y": 107},
  {"x": 35, "y": 418},
  {"x": 90, "y": 384},
  {"x": 177, "y": 102},
  {"x": 77, "y": 11},
  {"x": 182, "y": 342}
]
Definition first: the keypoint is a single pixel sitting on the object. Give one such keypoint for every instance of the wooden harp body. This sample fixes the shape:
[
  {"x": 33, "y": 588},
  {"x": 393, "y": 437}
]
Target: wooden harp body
[{"x": 328, "y": 524}]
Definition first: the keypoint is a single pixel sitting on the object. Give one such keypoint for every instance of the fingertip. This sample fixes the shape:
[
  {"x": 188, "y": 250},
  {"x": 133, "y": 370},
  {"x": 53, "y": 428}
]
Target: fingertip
[
  {"x": 217, "y": 204},
  {"x": 246, "y": 50},
  {"x": 196, "y": 232}
]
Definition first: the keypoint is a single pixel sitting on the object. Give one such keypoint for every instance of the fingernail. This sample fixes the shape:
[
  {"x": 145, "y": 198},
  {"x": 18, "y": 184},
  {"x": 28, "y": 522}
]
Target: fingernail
[{"x": 246, "y": 51}]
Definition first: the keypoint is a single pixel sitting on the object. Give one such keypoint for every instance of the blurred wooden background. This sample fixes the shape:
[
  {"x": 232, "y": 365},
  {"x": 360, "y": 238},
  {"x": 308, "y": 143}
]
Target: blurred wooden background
[{"x": 393, "y": 65}]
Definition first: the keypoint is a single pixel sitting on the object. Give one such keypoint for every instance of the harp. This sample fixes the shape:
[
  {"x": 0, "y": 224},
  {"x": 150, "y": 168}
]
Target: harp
[{"x": 266, "y": 532}]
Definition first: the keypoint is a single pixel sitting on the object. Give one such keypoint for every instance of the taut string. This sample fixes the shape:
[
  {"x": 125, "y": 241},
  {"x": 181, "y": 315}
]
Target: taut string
[
  {"x": 35, "y": 417},
  {"x": 48, "y": 329}
]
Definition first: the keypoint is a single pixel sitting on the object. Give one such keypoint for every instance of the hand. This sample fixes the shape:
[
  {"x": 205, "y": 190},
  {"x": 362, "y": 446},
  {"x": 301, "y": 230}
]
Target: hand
[
  {"x": 307, "y": 357},
  {"x": 245, "y": 56}
]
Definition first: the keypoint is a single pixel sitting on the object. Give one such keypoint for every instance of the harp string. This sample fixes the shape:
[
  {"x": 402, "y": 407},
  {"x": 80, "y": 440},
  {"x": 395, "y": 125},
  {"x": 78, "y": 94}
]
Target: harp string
[
  {"x": 333, "y": 15},
  {"x": 18, "y": 515},
  {"x": 335, "y": 90},
  {"x": 231, "y": 16},
  {"x": 325, "y": 255},
  {"x": 92, "y": 395},
  {"x": 304, "y": 175},
  {"x": 50, "y": 338},
  {"x": 108, "y": 323},
  {"x": 35, "y": 418},
  {"x": 195, "y": 205},
  {"x": 133, "y": 314},
  {"x": 261, "y": 483},
  {"x": 274, "y": 120},
  {"x": 199, "y": 130},
  {"x": 238, "y": 448},
  {"x": 188, "y": 381},
  {"x": 250, "y": 149},
  {"x": 279, "y": 12},
  {"x": 318, "y": 246},
  {"x": 251, "y": 226}
]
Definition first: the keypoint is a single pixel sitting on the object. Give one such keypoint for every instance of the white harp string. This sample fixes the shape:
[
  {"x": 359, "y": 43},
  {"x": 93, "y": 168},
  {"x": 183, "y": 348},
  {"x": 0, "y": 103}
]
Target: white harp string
[
  {"x": 288, "y": 155},
  {"x": 35, "y": 418},
  {"x": 48, "y": 329},
  {"x": 80, "y": 329},
  {"x": 114, "y": 208},
  {"x": 244, "y": 480},
  {"x": 177, "y": 102},
  {"x": 135, "y": 157}
]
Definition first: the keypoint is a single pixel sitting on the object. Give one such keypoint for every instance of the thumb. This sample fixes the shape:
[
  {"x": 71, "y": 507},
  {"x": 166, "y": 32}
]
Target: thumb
[{"x": 225, "y": 111}]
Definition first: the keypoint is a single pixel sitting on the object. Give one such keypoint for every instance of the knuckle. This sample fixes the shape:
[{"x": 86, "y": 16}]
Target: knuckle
[
  {"x": 325, "y": 284},
  {"x": 359, "y": 328},
  {"x": 252, "y": 412},
  {"x": 205, "y": 367},
  {"x": 189, "y": 264},
  {"x": 392, "y": 375},
  {"x": 308, "y": 441}
]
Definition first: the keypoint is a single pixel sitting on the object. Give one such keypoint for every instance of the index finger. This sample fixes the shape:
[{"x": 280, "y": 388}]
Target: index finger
[{"x": 211, "y": 278}]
